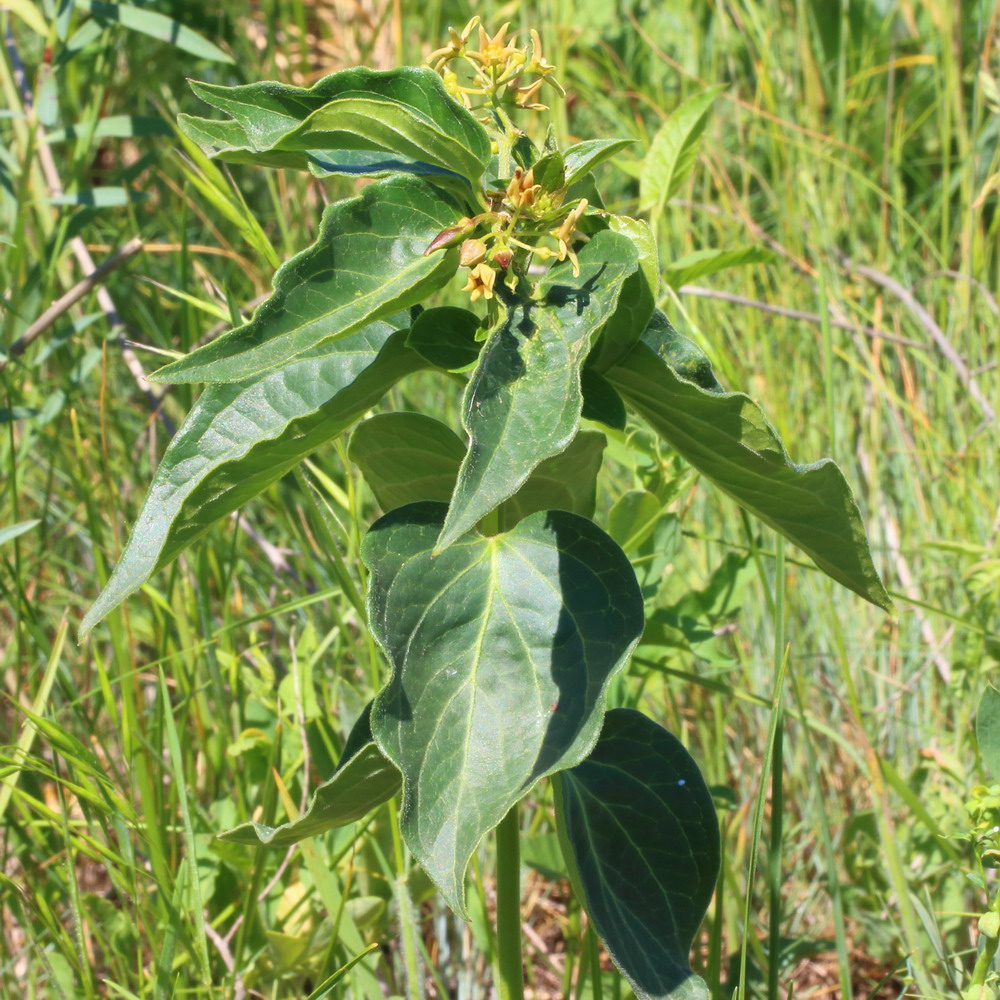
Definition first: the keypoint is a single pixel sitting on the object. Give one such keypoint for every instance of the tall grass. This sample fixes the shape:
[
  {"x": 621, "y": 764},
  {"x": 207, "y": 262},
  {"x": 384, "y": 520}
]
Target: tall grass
[{"x": 856, "y": 141}]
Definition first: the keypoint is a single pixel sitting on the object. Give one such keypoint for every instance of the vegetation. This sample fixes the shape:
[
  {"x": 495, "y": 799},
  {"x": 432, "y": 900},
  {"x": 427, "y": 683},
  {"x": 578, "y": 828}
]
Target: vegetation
[{"x": 848, "y": 165}]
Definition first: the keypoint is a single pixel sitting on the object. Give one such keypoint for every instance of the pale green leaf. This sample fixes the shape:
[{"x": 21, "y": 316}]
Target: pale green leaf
[
  {"x": 501, "y": 651},
  {"x": 12, "y": 531},
  {"x": 673, "y": 151},
  {"x": 366, "y": 263},
  {"x": 704, "y": 262},
  {"x": 643, "y": 843}
]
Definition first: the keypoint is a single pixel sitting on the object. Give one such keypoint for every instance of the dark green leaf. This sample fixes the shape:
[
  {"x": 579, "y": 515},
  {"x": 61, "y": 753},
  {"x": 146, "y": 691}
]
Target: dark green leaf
[
  {"x": 366, "y": 263},
  {"x": 683, "y": 356},
  {"x": 408, "y": 457},
  {"x": 362, "y": 780},
  {"x": 703, "y": 262},
  {"x": 501, "y": 651},
  {"x": 446, "y": 337},
  {"x": 355, "y": 121},
  {"x": 726, "y": 436},
  {"x": 523, "y": 403},
  {"x": 583, "y": 157},
  {"x": 988, "y": 730},
  {"x": 241, "y": 437},
  {"x": 644, "y": 841},
  {"x": 600, "y": 401}
]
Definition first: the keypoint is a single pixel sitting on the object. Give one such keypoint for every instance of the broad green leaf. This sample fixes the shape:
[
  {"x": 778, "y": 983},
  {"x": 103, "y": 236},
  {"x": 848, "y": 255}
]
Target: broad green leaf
[
  {"x": 408, "y": 457},
  {"x": 446, "y": 337},
  {"x": 673, "y": 151},
  {"x": 241, "y": 437},
  {"x": 501, "y": 651},
  {"x": 366, "y": 263},
  {"x": 988, "y": 730},
  {"x": 703, "y": 262},
  {"x": 643, "y": 844},
  {"x": 159, "y": 26},
  {"x": 362, "y": 780},
  {"x": 638, "y": 298},
  {"x": 584, "y": 156},
  {"x": 726, "y": 436},
  {"x": 523, "y": 402},
  {"x": 356, "y": 121}
]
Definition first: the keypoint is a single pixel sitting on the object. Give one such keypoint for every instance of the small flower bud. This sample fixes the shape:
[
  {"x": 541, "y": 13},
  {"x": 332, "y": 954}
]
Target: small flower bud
[
  {"x": 503, "y": 257},
  {"x": 473, "y": 252},
  {"x": 449, "y": 236}
]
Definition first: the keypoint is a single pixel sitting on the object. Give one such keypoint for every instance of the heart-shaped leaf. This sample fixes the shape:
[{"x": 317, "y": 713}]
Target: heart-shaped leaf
[
  {"x": 726, "y": 436},
  {"x": 501, "y": 651},
  {"x": 362, "y": 780},
  {"x": 523, "y": 402},
  {"x": 241, "y": 437},
  {"x": 356, "y": 121},
  {"x": 642, "y": 841},
  {"x": 366, "y": 263}
]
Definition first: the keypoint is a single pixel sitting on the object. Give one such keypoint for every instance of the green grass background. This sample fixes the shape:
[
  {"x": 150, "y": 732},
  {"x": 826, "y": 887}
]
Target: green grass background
[{"x": 851, "y": 132}]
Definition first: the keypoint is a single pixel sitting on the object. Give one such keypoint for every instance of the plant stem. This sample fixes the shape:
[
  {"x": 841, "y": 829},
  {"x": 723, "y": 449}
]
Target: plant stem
[{"x": 510, "y": 976}]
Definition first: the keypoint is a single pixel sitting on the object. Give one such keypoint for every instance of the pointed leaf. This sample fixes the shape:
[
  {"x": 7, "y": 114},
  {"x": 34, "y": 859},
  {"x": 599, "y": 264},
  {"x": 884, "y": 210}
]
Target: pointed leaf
[
  {"x": 366, "y": 263},
  {"x": 703, "y": 262},
  {"x": 408, "y": 457},
  {"x": 584, "y": 156},
  {"x": 673, "y": 151},
  {"x": 355, "y": 121},
  {"x": 241, "y": 437},
  {"x": 523, "y": 403},
  {"x": 644, "y": 841},
  {"x": 601, "y": 401},
  {"x": 550, "y": 172},
  {"x": 362, "y": 780},
  {"x": 501, "y": 651},
  {"x": 726, "y": 436}
]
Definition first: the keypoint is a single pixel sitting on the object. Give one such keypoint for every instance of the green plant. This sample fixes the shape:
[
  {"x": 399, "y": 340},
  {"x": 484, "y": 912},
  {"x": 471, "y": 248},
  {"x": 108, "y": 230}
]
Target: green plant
[{"x": 504, "y": 611}]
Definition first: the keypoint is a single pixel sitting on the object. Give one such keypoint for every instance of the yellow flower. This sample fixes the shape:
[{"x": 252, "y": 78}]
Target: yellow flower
[{"x": 481, "y": 280}]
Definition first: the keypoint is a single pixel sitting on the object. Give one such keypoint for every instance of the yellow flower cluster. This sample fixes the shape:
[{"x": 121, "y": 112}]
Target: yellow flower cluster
[{"x": 495, "y": 70}]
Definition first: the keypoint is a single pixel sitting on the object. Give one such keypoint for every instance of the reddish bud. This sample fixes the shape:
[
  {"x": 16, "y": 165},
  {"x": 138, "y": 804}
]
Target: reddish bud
[{"x": 451, "y": 235}]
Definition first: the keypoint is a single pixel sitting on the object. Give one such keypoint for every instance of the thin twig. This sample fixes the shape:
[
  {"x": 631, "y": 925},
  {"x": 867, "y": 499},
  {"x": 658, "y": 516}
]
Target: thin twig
[
  {"x": 924, "y": 318},
  {"x": 77, "y": 292},
  {"x": 808, "y": 317}
]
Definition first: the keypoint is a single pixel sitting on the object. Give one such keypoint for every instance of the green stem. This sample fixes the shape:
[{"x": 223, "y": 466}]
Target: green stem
[
  {"x": 408, "y": 930},
  {"x": 510, "y": 976}
]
